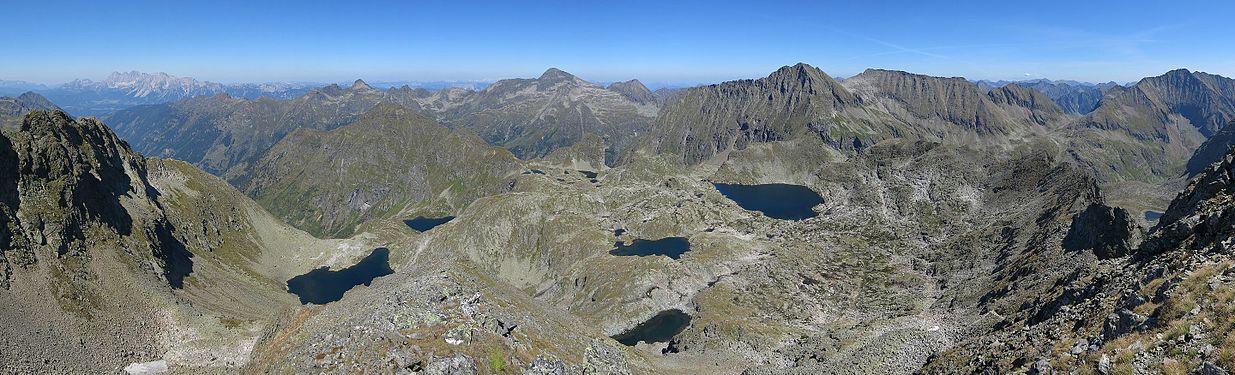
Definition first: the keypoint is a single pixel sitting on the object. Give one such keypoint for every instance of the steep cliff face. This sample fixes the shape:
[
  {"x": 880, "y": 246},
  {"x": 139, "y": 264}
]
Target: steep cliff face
[
  {"x": 72, "y": 175},
  {"x": 1212, "y": 150},
  {"x": 1163, "y": 306}
]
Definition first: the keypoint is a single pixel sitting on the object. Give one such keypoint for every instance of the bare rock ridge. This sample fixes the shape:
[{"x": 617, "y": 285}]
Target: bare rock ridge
[
  {"x": 876, "y": 105},
  {"x": 704, "y": 121},
  {"x": 955, "y": 100},
  {"x": 533, "y": 117}
]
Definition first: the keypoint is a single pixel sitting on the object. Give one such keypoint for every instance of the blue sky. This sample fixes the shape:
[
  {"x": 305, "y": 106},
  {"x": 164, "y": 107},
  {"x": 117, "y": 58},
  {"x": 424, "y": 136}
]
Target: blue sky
[{"x": 655, "y": 41}]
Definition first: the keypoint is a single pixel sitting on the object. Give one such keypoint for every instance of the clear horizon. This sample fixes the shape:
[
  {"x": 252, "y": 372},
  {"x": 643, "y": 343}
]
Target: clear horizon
[{"x": 682, "y": 43}]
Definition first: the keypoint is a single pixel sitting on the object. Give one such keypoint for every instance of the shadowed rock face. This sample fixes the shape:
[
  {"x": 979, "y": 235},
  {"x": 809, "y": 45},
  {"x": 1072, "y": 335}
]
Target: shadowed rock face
[
  {"x": 69, "y": 175},
  {"x": 8, "y": 206},
  {"x": 1212, "y": 150},
  {"x": 1109, "y": 232}
]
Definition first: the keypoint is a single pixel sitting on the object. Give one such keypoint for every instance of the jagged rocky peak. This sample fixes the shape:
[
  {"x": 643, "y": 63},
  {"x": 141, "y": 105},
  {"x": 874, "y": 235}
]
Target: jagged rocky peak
[
  {"x": 555, "y": 74},
  {"x": 36, "y": 101},
  {"x": 361, "y": 85},
  {"x": 809, "y": 79}
]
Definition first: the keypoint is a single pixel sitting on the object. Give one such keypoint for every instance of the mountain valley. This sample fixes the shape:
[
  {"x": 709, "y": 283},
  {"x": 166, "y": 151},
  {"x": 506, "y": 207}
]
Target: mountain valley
[{"x": 896, "y": 223}]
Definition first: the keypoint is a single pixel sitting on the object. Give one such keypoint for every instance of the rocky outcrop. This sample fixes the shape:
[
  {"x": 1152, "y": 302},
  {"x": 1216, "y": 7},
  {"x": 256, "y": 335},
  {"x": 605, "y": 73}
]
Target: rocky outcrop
[{"x": 1110, "y": 232}]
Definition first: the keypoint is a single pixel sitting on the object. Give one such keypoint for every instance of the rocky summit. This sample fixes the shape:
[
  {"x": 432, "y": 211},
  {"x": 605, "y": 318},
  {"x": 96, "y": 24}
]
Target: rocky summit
[{"x": 670, "y": 199}]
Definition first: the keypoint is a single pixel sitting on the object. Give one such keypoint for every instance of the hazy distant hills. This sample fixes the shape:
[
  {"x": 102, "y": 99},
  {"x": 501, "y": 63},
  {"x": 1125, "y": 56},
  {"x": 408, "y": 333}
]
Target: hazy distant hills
[
  {"x": 530, "y": 117},
  {"x": 219, "y": 131},
  {"x": 84, "y": 97}
]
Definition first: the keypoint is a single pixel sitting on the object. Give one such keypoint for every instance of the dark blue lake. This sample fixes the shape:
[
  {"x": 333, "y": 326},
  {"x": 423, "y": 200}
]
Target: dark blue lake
[
  {"x": 661, "y": 328},
  {"x": 424, "y": 224},
  {"x": 672, "y": 247},
  {"x": 321, "y": 286},
  {"x": 777, "y": 201},
  {"x": 1152, "y": 215}
]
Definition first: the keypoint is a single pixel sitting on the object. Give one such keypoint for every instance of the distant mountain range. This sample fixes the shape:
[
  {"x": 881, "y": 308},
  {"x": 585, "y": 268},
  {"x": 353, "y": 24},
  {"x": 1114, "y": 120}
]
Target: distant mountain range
[
  {"x": 1071, "y": 96},
  {"x": 530, "y": 117},
  {"x": 84, "y": 97}
]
